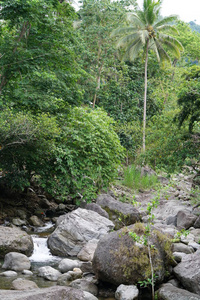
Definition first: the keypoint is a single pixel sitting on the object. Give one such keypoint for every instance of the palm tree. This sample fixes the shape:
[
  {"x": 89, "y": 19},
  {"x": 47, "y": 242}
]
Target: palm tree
[{"x": 148, "y": 31}]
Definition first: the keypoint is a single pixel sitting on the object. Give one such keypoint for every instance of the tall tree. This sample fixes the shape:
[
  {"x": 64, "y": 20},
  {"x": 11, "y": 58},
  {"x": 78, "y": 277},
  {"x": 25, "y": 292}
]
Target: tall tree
[{"x": 148, "y": 31}]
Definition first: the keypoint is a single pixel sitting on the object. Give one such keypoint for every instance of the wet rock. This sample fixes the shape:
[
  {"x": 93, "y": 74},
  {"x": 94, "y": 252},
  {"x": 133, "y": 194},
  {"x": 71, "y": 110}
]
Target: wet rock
[
  {"x": 18, "y": 222},
  {"x": 116, "y": 209},
  {"x": 49, "y": 273},
  {"x": 75, "y": 229},
  {"x": 188, "y": 272},
  {"x": 66, "y": 278},
  {"x": 16, "y": 261},
  {"x": 23, "y": 284},
  {"x": 87, "y": 252},
  {"x": 67, "y": 264},
  {"x": 35, "y": 221},
  {"x": 127, "y": 292},
  {"x": 14, "y": 240},
  {"x": 85, "y": 285},
  {"x": 27, "y": 272},
  {"x": 170, "y": 292}
]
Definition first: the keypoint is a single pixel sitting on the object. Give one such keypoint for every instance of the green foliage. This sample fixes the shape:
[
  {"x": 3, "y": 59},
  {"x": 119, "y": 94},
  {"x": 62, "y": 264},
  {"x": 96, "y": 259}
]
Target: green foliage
[{"x": 133, "y": 179}]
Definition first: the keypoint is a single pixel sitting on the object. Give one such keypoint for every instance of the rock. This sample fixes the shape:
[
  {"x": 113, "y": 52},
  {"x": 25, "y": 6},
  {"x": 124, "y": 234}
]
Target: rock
[
  {"x": 197, "y": 222},
  {"x": 8, "y": 274},
  {"x": 27, "y": 272},
  {"x": 127, "y": 292},
  {"x": 178, "y": 256},
  {"x": 180, "y": 247},
  {"x": 15, "y": 239},
  {"x": 67, "y": 264},
  {"x": 16, "y": 262},
  {"x": 116, "y": 209},
  {"x": 97, "y": 208},
  {"x": 196, "y": 234},
  {"x": 44, "y": 203},
  {"x": 75, "y": 229},
  {"x": 35, "y": 221},
  {"x": 23, "y": 284},
  {"x": 185, "y": 220},
  {"x": 66, "y": 278},
  {"x": 18, "y": 222},
  {"x": 170, "y": 292},
  {"x": 87, "y": 252},
  {"x": 188, "y": 272},
  {"x": 21, "y": 213},
  {"x": 85, "y": 285},
  {"x": 86, "y": 267},
  {"x": 52, "y": 293},
  {"x": 49, "y": 273},
  {"x": 61, "y": 206},
  {"x": 118, "y": 259}
]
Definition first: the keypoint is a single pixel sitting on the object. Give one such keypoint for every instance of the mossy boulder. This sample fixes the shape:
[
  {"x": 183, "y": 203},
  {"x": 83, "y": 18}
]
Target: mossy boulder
[{"x": 119, "y": 259}]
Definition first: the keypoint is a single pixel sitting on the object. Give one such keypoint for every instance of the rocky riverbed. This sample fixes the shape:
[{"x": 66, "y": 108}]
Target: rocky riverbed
[{"x": 94, "y": 250}]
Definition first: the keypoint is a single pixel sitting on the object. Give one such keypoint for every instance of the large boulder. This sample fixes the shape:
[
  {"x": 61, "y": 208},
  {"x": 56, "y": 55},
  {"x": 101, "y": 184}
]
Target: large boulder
[
  {"x": 188, "y": 272},
  {"x": 118, "y": 259},
  {"x": 16, "y": 262},
  {"x": 170, "y": 292},
  {"x": 75, "y": 229},
  {"x": 185, "y": 219},
  {"x": 52, "y": 293},
  {"x": 13, "y": 239},
  {"x": 116, "y": 209}
]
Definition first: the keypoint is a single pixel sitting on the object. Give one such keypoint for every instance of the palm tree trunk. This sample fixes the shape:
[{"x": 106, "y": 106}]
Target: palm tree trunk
[{"x": 145, "y": 97}]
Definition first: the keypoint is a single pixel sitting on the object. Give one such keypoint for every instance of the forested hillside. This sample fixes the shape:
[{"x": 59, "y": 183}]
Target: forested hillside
[{"x": 72, "y": 103}]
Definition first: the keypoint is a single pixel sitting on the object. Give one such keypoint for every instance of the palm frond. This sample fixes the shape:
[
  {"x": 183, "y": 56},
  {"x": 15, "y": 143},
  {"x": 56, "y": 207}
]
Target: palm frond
[
  {"x": 172, "y": 47},
  {"x": 126, "y": 40},
  {"x": 123, "y": 30},
  {"x": 163, "y": 56},
  {"x": 135, "y": 19},
  {"x": 167, "y": 27},
  {"x": 172, "y": 40},
  {"x": 133, "y": 50},
  {"x": 166, "y": 20},
  {"x": 144, "y": 35}
]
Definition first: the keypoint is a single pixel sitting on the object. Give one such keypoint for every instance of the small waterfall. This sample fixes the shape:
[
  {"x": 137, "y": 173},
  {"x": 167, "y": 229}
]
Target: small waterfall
[{"x": 41, "y": 252}]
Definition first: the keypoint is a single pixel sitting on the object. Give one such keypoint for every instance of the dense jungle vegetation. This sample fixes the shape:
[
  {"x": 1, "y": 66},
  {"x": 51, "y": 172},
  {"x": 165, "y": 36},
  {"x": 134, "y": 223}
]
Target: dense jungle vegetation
[{"x": 71, "y": 109}]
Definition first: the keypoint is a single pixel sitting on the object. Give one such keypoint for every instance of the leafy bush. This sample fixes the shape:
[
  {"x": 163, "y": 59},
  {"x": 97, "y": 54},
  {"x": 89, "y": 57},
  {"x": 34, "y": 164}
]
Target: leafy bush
[{"x": 79, "y": 157}]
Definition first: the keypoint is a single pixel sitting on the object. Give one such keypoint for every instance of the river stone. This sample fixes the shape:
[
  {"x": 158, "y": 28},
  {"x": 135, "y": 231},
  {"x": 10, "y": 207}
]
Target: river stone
[
  {"x": 51, "y": 293},
  {"x": 98, "y": 209},
  {"x": 35, "y": 221},
  {"x": 87, "y": 252},
  {"x": 75, "y": 229},
  {"x": 85, "y": 285},
  {"x": 8, "y": 274},
  {"x": 178, "y": 256},
  {"x": 170, "y": 292},
  {"x": 118, "y": 259},
  {"x": 13, "y": 239},
  {"x": 116, "y": 209},
  {"x": 18, "y": 222},
  {"x": 67, "y": 264},
  {"x": 49, "y": 273},
  {"x": 23, "y": 284},
  {"x": 188, "y": 272},
  {"x": 66, "y": 278},
  {"x": 197, "y": 222},
  {"x": 16, "y": 262},
  {"x": 126, "y": 292}
]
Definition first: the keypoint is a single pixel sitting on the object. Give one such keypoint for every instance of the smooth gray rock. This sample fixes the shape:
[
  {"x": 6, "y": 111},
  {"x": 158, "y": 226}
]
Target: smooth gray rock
[
  {"x": 180, "y": 247},
  {"x": 88, "y": 296},
  {"x": 27, "y": 272},
  {"x": 85, "y": 285},
  {"x": 126, "y": 292},
  {"x": 116, "y": 209},
  {"x": 188, "y": 272},
  {"x": 178, "y": 256},
  {"x": 35, "y": 221},
  {"x": 170, "y": 292},
  {"x": 67, "y": 264},
  {"x": 23, "y": 284},
  {"x": 15, "y": 240},
  {"x": 66, "y": 278},
  {"x": 16, "y": 261},
  {"x": 75, "y": 229},
  {"x": 87, "y": 252},
  {"x": 49, "y": 273},
  {"x": 18, "y": 222},
  {"x": 118, "y": 259},
  {"x": 185, "y": 219},
  {"x": 52, "y": 293},
  {"x": 197, "y": 222},
  {"x": 8, "y": 274},
  {"x": 97, "y": 208}
]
